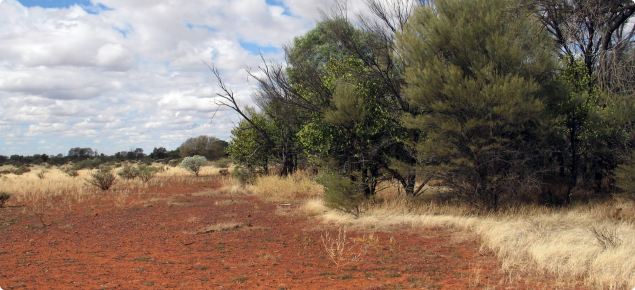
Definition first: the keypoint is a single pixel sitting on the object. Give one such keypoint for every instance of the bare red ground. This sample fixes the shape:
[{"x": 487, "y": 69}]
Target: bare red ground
[{"x": 152, "y": 243}]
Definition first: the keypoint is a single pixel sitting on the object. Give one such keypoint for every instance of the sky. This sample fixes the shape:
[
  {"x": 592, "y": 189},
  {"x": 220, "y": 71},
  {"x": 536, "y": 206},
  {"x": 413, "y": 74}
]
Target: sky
[{"x": 115, "y": 75}]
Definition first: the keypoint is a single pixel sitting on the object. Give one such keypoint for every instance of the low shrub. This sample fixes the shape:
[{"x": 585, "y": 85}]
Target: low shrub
[
  {"x": 145, "y": 173},
  {"x": 20, "y": 170},
  {"x": 175, "y": 162},
  {"x": 4, "y": 196},
  {"x": 128, "y": 172},
  {"x": 342, "y": 194},
  {"x": 223, "y": 162},
  {"x": 194, "y": 164},
  {"x": 41, "y": 174},
  {"x": 103, "y": 178}
]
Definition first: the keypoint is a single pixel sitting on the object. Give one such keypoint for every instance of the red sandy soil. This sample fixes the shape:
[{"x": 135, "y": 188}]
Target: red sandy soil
[{"x": 158, "y": 240}]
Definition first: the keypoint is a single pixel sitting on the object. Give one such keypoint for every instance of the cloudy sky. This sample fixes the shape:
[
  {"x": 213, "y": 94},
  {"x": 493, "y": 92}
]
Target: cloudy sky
[{"x": 119, "y": 74}]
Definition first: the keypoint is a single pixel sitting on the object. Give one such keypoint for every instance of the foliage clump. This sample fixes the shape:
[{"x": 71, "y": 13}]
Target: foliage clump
[
  {"x": 625, "y": 176},
  {"x": 103, "y": 178},
  {"x": 193, "y": 164},
  {"x": 341, "y": 193},
  {"x": 142, "y": 171},
  {"x": 4, "y": 196}
]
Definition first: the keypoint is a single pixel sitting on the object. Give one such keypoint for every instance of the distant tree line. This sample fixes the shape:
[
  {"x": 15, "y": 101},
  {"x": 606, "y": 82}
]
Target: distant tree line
[
  {"x": 210, "y": 147},
  {"x": 502, "y": 101}
]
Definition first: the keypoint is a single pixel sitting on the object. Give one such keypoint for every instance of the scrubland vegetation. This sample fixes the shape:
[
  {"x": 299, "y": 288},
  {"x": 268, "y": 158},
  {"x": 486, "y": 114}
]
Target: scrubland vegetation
[
  {"x": 497, "y": 117},
  {"x": 593, "y": 242}
]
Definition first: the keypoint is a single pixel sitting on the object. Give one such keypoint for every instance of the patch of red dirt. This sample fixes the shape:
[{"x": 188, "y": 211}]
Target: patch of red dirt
[{"x": 195, "y": 238}]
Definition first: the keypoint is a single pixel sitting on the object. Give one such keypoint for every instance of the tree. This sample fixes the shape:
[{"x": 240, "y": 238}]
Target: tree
[
  {"x": 159, "y": 153},
  {"x": 81, "y": 153},
  {"x": 246, "y": 147},
  {"x": 596, "y": 30},
  {"x": 210, "y": 147},
  {"x": 480, "y": 73}
]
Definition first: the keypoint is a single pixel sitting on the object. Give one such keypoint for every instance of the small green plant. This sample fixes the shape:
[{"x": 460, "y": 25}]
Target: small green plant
[
  {"x": 128, "y": 172},
  {"x": 4, "y": 196},
  {"x": 145, "y": 172},
  {"x": 625, "y": 176},
  {"x": 342, "y": 194},
  {"x": 224, "y": 172},
  {"x": 223, "y": 162},
  {"x": 175, "y": 162},
  {"x": 194, "y": 164},
  {"x": 238, "y": 279},
  {"x": 103, "y": 178}
]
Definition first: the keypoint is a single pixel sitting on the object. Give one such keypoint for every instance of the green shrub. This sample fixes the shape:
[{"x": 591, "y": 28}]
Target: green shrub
[
  {"x": 88, "y": 164},
  {"x": 223, "y": 162},
  {"x": 244, "y": 175},
  {"x": 193, "y": 164},
  {"x": 625, "y": 176},
  {"x": 103, "y": 178},
  {"x": 175, "y": 162},
  {"x": 4, "y": 196},
  {"x": 20, "y": 170},
  {"x": 342, "y": 194},
  {"x": 128, "y": 172},
  {"x": 145, "y": 173}
]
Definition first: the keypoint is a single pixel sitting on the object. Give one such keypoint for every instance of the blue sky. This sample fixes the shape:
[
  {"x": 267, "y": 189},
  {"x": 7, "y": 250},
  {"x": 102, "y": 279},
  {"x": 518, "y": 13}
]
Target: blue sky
[{"x": 119, "y": 74}]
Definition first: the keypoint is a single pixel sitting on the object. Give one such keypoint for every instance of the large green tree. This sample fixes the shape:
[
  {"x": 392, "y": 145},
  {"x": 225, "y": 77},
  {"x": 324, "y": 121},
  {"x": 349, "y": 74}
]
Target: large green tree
[
  {"x": 480, "y": 72},
  {"x": 209, "y": 146}
]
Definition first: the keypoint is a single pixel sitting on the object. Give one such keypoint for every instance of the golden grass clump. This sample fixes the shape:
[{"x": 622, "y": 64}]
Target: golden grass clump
[
  {"x": 284, "y": 189},
  {"x": 28, "y": 187},
  {"x": 594, "y": 243}
]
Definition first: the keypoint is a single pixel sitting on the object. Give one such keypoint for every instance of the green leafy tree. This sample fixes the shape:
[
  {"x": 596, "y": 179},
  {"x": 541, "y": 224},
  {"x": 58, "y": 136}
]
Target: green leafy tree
[
  {"x": 210, "y": 147},
  {"x": 247, "y": 148},
  {"x": 479, "y": 71}
]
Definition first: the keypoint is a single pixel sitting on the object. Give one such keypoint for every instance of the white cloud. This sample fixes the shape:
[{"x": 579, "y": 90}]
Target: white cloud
[{"x": 132, "y": 75}]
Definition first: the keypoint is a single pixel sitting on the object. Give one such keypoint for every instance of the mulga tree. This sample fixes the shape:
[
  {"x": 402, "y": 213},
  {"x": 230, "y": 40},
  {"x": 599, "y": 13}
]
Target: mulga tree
[
  {"x": 480, "y": 72},
  {"x": 346, "y": 122}
]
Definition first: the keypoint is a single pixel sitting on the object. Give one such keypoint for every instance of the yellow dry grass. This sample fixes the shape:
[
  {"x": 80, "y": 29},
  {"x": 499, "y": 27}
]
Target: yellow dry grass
[
  {"x": 595, "y": 243},
  {"x": 28, "y": 187},
  {"x": 285, "y": 189}
]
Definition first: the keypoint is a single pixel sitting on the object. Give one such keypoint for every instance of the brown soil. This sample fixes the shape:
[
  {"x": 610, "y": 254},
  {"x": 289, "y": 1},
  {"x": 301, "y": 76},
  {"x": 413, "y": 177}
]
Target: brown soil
[{"x": 196, "y": 238}]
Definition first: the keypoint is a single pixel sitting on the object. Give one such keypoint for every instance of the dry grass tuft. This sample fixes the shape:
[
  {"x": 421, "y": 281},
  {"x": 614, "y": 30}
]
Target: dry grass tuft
[
  {"x": 285, "y": 189},
  {"x": 594, "y": 243},
  {"x": 314, "y": 207},
  {"x": 29, "y": 188}
]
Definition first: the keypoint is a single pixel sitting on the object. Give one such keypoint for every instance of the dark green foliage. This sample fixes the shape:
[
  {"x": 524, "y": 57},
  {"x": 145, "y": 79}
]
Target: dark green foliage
[
  {"x": 480, "y": 73},
  {"x": 4, "y": 196},
  {"x": 103, "y": 178},
  {"x": 342, "y": 194},
  {"x": 145, "y": 172},
  {"x": 88, "y": 164},
  {"x": 625, "y": 176},
  {"x": 159, "y": 153},
  {"x": 210, "y": 147},
  {"x": 223, "y": 162},
  {"x": 20, "y": 170},
  {"x": 81, "y": 153},
  {"x": 128, "y": 172}
]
